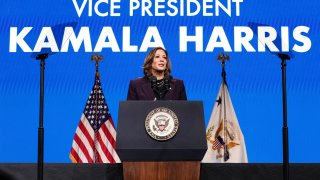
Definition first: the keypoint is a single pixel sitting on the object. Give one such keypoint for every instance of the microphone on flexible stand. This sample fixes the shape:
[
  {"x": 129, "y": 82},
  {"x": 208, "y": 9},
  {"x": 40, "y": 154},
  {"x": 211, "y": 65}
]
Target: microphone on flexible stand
[
  {"x": 167, "y": 82},
  {"x": 153, "y": 81},
  {"x": 160, "y": 89}
]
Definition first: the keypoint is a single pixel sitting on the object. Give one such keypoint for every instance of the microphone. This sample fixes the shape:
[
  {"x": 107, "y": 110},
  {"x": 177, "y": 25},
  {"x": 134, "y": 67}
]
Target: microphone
[
  {"x": 160, "y": 89},
  {"x": 167, "y": 82},
  {"x": 153, "y": 81}
]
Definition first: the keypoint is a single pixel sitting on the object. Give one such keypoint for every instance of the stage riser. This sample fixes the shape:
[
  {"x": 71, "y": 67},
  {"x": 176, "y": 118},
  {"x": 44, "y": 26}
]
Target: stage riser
[{"x": 58, "y": 171}]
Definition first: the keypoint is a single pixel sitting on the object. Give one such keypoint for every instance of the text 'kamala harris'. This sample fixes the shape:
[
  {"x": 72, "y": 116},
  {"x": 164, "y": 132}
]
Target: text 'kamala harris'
[{"x": 242, "y": 35}]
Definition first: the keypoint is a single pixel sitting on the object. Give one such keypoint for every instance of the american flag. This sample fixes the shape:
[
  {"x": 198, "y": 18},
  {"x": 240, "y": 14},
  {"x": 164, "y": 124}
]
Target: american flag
[
  {"x": 95, "y": 138},
  {"x": 218, "y": 142}
]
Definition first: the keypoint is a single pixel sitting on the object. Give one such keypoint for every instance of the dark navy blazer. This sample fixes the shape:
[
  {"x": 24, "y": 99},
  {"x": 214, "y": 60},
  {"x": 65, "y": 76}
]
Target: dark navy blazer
[{"x": 140, "y": 89}]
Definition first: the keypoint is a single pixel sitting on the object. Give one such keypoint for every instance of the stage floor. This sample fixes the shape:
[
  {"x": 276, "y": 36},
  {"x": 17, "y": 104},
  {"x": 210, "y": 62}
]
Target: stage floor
[{"x": 68, "y": 171}]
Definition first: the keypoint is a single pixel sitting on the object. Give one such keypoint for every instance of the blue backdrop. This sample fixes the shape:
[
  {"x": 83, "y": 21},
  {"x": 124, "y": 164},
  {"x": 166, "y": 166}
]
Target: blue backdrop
[{"x": 254, "y": 78}]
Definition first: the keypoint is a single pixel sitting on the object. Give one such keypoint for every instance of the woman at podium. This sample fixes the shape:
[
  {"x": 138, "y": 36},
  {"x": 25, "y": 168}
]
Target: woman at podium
[{"x": 157, "y": 83}]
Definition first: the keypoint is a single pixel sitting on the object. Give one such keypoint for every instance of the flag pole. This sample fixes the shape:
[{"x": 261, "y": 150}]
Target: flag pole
[
  {"x": 285, "y": 136},
  {"x": 96, "y": 58},
  {"x": 223, "y": 57},
  {"x": 42, "y": 58}
]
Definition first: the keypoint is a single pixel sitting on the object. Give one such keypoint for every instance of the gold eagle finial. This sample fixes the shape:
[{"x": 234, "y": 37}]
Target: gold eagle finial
[{"x": 97, "y": 58}]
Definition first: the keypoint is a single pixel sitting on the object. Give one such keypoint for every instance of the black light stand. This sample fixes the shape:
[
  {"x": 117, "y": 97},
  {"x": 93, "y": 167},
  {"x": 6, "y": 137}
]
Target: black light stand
[
  {"x": 284, "y": 57},
  {"x": 285, "y": 137},
  {"x": 42, "y": 58}
]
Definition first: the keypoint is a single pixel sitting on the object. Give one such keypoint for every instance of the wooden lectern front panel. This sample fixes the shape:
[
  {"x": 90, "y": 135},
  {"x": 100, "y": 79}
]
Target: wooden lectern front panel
[{"x": 167, "y": 170}]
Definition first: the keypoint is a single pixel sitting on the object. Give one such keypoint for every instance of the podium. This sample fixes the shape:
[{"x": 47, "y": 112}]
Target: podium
[{"x": 145, "y": 157}]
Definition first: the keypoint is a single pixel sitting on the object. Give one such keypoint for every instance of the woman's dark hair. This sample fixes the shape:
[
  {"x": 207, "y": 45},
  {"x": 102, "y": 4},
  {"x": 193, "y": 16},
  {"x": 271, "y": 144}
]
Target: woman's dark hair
[{"x": 147, "y": 65}]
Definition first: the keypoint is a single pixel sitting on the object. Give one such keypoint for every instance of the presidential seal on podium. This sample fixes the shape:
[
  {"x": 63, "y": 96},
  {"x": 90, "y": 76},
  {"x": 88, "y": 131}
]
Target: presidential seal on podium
[{"x": 161, "y": 124}]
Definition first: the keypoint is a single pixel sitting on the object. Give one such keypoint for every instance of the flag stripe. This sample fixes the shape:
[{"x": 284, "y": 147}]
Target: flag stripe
[
  {"x": 107, "y": 130},
  {"x": 85, "y": 138},
  {"x": 99, "y": 155},
  {"x": 106, "y": 146},
  {"x": 111, "y": 129},
  {"x": 102, "y": 138},
  {"x": 102, "y": 150},
  {"x": 87, "y": 131},
  {"x": 112, "y": 140},
  {"x": 74, "y": 156},
  {"x": 78, "y": 153},
  {"x": 83, "y": 148}
]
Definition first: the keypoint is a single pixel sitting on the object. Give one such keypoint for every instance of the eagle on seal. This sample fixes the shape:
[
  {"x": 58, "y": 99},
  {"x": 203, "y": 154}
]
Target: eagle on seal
[{"x": 161, "y": 123}]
